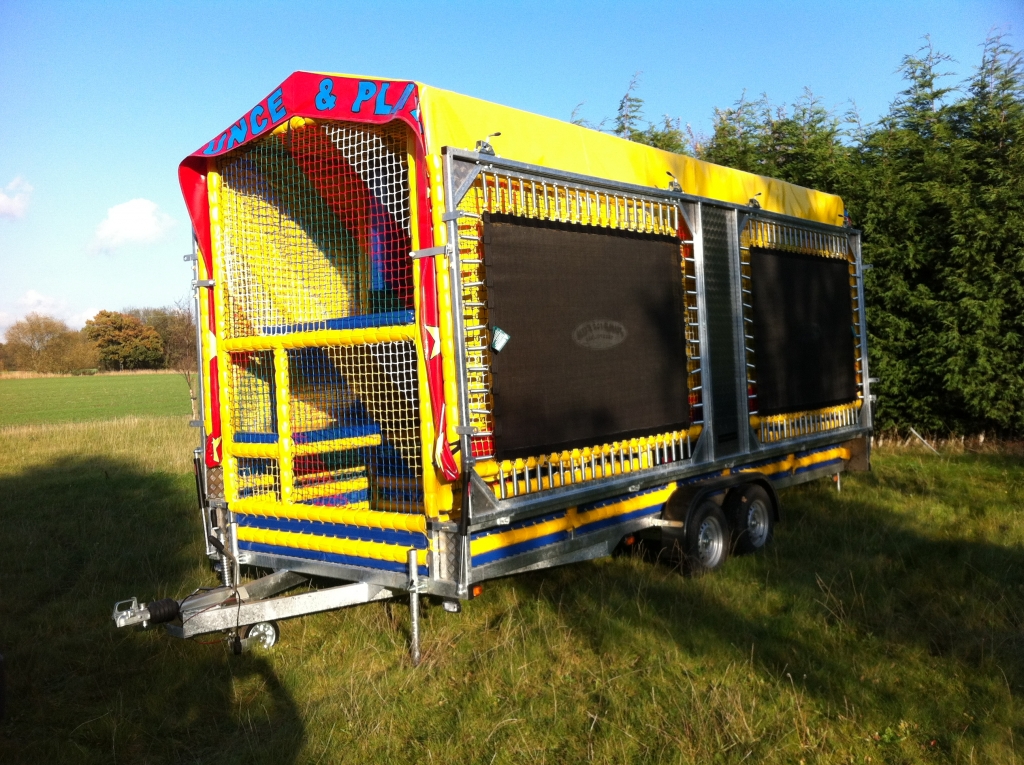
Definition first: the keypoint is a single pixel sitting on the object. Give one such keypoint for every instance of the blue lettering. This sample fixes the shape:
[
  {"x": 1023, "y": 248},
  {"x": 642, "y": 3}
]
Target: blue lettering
[
  {"x": 238, "y": 132},
  {"x": 382, "y": 107},
  {"x": 324, "y": 99},
  {"x": 255, "y": 125},
  {"x": 277, "y": 112},
  {"x": 366, "y": 92},
  {"x": 220, "y": 144},
  {"x": 405, "y": 96}
]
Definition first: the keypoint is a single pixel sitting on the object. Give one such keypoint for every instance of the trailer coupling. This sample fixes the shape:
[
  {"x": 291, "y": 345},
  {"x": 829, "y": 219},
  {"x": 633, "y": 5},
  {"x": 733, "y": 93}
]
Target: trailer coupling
[
  {"x": 128, "y": 613},
  {"x": 246, "y": 613}
]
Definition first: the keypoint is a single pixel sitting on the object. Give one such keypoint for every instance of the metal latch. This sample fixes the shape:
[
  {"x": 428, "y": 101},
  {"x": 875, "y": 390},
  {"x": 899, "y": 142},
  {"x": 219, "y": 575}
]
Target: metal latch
[
  {"x": 448, "y": 217},
  {"x": 431, "y": 252},
  {"x": 129, "y": 612},
  {"x": 203, "y": 283}
]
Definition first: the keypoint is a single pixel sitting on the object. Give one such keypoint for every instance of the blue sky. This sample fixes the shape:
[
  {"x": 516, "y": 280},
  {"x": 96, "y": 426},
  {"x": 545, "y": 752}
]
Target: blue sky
[{"x": 100, "y": 101}]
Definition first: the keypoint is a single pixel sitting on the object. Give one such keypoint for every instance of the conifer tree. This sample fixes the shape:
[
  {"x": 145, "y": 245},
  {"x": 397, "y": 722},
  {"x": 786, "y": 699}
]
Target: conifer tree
[{"x": 937, "y": 187}]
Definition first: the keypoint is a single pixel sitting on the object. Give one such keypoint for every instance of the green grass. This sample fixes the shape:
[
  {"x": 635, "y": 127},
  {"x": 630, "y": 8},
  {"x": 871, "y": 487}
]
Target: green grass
[
  {"x": 885, "y": 624},
  {"x": 99, "y": 397}
]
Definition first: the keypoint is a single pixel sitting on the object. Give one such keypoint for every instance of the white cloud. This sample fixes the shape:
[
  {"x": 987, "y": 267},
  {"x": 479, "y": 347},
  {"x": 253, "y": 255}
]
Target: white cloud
[
  {"x": 14, "y": 199},
  {"x": 136, "y": 222},
  {"x": 34, "y": 301}
]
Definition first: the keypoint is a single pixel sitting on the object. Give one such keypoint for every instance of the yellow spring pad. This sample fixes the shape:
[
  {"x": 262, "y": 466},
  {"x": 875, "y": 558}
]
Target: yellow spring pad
[
  {"x": 792, "y": 463},
  {"x": 574, "y": 519}
]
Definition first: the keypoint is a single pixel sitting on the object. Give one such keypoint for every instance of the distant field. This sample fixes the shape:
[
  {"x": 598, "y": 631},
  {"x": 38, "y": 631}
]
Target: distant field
[
  {"x": 101, "y": 397},
  {"x": 884, "y": 625}
]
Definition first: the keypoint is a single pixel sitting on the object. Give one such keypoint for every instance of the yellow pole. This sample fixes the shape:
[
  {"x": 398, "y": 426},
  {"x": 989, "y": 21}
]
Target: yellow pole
[{"x": 284, "y": 423}]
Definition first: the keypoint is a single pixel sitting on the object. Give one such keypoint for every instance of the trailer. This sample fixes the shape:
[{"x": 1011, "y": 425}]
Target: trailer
[{"x": 444, "y": 341}]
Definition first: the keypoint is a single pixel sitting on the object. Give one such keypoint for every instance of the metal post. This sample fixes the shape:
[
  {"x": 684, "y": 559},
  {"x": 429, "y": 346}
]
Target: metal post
[
  {"x": 461, "y": 374},
  {"x": 414, "y": 606},
  {"x": 236, "y": 564}
]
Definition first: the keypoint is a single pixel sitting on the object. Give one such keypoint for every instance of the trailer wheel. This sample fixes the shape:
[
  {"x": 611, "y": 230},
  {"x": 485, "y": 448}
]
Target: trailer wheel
[
  {"x": 707, "y": 539},
  {"x": 263, "y": 634},
  {"x": 749, "y": 509}
]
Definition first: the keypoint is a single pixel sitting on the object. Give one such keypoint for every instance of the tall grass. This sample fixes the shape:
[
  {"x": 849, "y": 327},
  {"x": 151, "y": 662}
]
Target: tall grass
[
  {"x": 101, "y": 397},
  {"x": 884, "y": 624}
]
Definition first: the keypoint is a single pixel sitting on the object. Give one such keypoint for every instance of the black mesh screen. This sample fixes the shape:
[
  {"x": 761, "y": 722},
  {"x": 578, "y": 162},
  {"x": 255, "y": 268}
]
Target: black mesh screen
[
  {"x": 596, "y": 348},
  {"x": 803, "y": 331}
]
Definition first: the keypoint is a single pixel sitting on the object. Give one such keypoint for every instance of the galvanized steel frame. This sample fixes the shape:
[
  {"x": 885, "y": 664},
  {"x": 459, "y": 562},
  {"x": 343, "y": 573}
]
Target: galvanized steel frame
[
  {"x": 482, "y": 510},
  {"x": 461, "y": 168}
]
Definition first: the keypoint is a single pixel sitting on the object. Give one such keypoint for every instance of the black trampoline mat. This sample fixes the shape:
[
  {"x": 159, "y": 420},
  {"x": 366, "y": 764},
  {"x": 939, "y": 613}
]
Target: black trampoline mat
[
  {"x": 597, "y": 349},
  {"x": 803, "y": 331}
]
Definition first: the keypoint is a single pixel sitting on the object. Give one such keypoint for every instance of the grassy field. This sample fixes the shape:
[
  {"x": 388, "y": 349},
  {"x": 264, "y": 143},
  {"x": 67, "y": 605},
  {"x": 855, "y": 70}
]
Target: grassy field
[
  {"x": 99, "y": 397},
  {"x": 885, "y": 624}
]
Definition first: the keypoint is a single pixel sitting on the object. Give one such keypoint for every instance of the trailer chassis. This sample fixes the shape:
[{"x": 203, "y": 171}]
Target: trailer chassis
[{"x": 247, "y": 614}]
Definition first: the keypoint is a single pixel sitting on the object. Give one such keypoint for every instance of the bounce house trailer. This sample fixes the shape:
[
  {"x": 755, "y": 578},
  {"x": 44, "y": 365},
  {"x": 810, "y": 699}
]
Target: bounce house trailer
[{"x": 444, "y": 341}]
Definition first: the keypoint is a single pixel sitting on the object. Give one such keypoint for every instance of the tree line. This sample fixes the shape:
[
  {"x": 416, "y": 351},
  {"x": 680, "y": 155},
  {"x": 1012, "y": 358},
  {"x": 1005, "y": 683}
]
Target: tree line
[
  {"x": 937, "y": 188},
  {"x": 135, "y": 338}
]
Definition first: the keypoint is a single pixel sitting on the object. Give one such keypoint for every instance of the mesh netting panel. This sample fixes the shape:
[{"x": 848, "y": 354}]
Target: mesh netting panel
[
  {"x": 803, "y": 331},
  {"x": 359, "y": 403},
  {"x": 257, "y": 477},
  {"x": 333, "y": 478},
  {"x": 598, "y": 361},
  {"x": 253, "y": 410},
  {"x": 316, "y": 230}
]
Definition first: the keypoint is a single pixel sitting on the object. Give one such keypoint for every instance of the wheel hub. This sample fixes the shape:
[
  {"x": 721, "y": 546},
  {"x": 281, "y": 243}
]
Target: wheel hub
[
  {"x": 263, "y": 634},
  {"x": 710, "y": 542},
  {"x": 757, "y": 524}
]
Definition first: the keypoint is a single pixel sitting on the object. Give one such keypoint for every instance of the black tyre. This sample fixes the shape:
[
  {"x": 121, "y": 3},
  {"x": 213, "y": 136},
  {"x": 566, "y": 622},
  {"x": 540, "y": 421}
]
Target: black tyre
[
  {"x": 752, "y": 517},
  {"x": 707, "y": 539}
]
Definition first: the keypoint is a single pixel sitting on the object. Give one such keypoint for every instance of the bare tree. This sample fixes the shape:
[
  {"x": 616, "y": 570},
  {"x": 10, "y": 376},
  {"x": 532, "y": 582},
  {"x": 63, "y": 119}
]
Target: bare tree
[
  {"x": 180, "y": 346},
  {"x": 40, "y": 343},
  {"x": 176, "y": 325}
]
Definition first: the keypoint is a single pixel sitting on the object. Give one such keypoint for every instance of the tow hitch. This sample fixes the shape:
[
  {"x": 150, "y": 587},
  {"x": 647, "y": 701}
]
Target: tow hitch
[{"x": 246, "y": 613}]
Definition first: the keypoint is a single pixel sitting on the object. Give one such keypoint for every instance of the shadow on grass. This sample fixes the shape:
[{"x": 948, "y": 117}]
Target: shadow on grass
[
  {"x": 851, "y": 605},
  {"x": 75, "y": 536}
]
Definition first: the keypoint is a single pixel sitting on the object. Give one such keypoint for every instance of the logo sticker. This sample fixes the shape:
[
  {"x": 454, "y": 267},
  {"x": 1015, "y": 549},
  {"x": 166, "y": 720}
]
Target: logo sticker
[{"x": 599, "y": 334}]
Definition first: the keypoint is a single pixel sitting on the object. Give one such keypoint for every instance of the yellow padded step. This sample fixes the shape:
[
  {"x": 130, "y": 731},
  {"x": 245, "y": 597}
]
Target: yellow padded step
[
  {"x": 358, "y": 514},
  {"x": 354, "y": 547}
]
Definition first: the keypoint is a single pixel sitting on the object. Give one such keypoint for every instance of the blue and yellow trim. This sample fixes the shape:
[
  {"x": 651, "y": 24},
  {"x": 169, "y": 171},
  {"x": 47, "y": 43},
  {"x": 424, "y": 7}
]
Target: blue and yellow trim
[{"x": 504, "y": 542}]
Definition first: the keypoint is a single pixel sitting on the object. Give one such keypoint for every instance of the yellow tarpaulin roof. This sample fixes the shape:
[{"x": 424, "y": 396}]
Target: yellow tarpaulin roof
[{"x": 451, "y": 119}]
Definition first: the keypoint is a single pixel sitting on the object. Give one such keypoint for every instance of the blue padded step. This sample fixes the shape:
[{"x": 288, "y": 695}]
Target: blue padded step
[
  {"x": 343, "y": 531},
  {"x": 334, "y": 434},
  {"x": 255, "y": 438},
  {"x": 339, "y": 500},
  {"x": 387, "y": 319}
]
